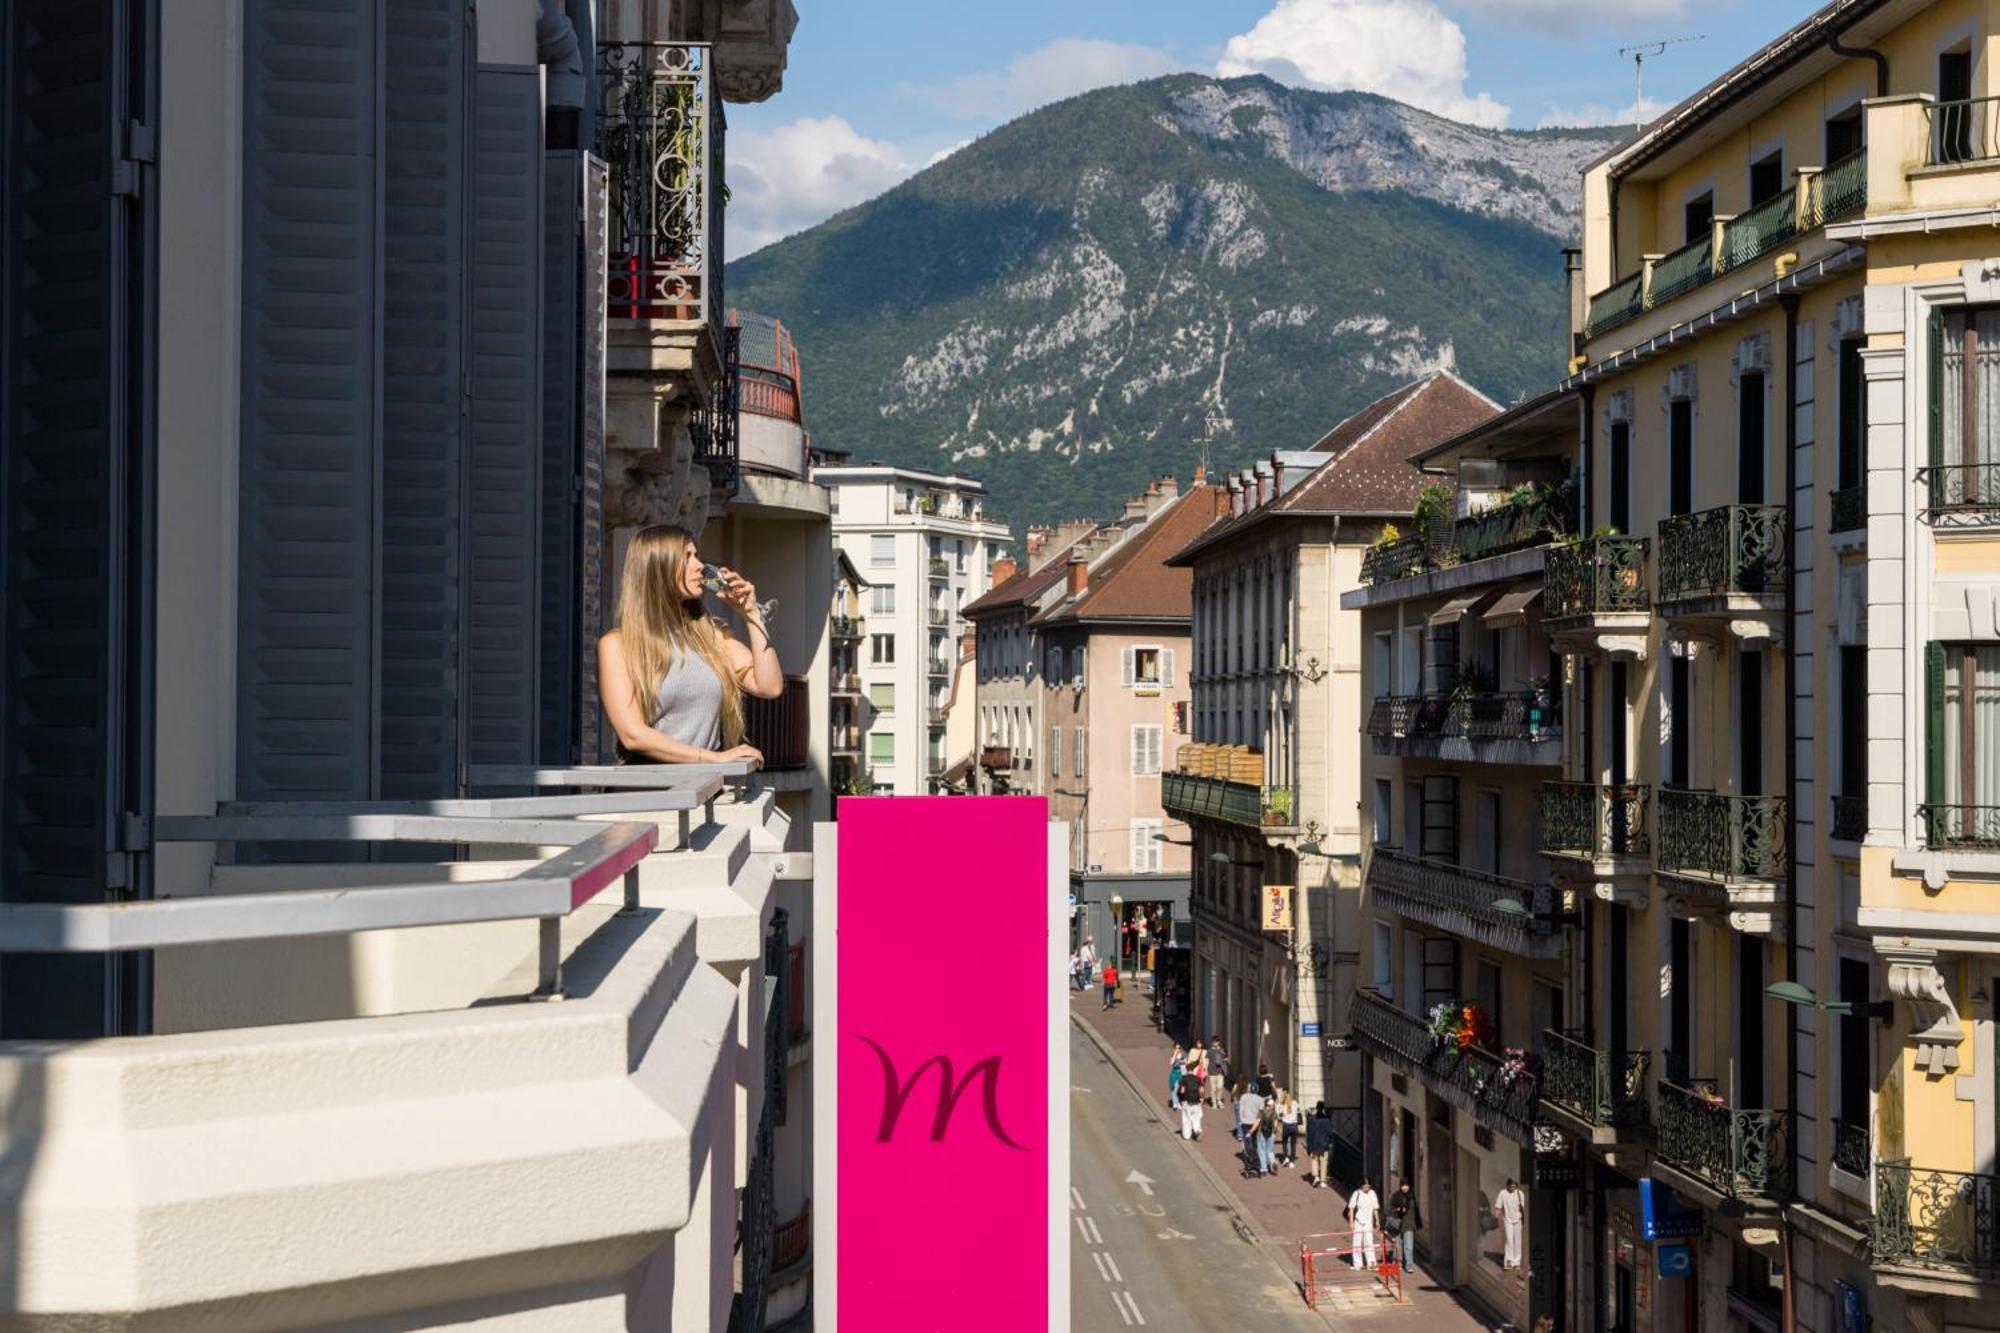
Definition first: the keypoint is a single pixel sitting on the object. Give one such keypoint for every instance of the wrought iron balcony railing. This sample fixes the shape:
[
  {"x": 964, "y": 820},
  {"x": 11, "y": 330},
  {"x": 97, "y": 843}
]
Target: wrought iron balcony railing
[
  {"x": 1397, "y": 559},
  {"x": 781, "y": 727},
  {"x": 940, "y": 567},
  {"x": 1600, "y": 576},
  {"x": 1684, "y": 270},
  {"x": 1961, "y": 131},
  {"x": 1741, "y": 1154},
  {"x": 1454, "y": 897},
  {"x": 845, "y": 629},
  {"x": 1543, "y": 513},
  {"x": 1588, "y": 819},
  {"x": 660, "y": 129},
  {"x": 1852, "y": 1151},
  {"x": 1835, "y": 192},
  {"x": 1733, "y": 837},
  {"x": 1492, "y": 1089},
  {"x": 1606, "y": 1089},
  {"x": 1850, "y": 509},
  {"x": 1521, "y": 715},
  {"x": 1729, "y": 549},
  {"x": 1960, "y": 493},
  {"x": 1850, "y": 818},
  {"x": 1960, "y": 826},
  {"x": 1617, "y": 304},
  {"x": 1754, "y": 234},
  {"x": 1935, "y": 1219}
]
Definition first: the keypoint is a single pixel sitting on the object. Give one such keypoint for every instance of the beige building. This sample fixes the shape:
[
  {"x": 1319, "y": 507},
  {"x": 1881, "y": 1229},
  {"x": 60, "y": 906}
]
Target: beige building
[{"x": 1269, "y": 788}]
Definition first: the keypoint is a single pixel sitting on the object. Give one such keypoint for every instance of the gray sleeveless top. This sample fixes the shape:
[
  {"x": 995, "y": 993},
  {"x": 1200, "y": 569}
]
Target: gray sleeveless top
[{"x": 689, "y": 707}]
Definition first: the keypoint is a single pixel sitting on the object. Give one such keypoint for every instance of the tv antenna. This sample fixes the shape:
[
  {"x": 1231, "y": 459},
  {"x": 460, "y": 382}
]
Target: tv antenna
[{"x": 1639, "y": 54}]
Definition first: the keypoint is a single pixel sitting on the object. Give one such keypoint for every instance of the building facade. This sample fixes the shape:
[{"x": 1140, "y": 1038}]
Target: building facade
[{"x": 923, "y": 542}]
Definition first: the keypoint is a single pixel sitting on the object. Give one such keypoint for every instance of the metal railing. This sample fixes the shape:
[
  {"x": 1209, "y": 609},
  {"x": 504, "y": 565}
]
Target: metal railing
[
  {"x": 1961, "y": 131},
  {"x": 1471, "y": 1077},
  {"x": 1728, "y": 549},
  {"x": 1684, "y": 270},
  {"x": 846, "y": 682},
  {"x": 797, "y": 1026},
  {"x": 937, "y": 666},
  {"x": 1850, "y": 509},
  {"x": 794, "y": 1240},
  {"x": 660, "y": 129},
  {"x": 1588, "y": 819},
  {"x": 781, "y": 727},
  {"x": 1752, "y": 235},
  {"x": 1738, "y": 1153},
  {"x": 939, "y": 615},
  {"x": 1396, "y": 559},
  {"x": 1243, "y": 803},
  {"x": 1516, "y": 715},
  {"x": 1735, "y": 837},
  {"x": 1603, "y": 1088},
  {"x": 845, "y": 628},
  {"x": 757, "y": 1227},
  {"x": 1515, "y": 525},
  {"x": 1454, "y": 892},
  {"x": 1617, "y": 304},
  {"x": 1935, "y": 1219},
  {"x": 936, "y": 715},
  {"x": 1837, "y": 191},
  {"x": 1959, "y": 489},
  {"x": 940, "y": 568},
  {"x": 1599, "y": 576},
  {"x": 1964, "y": 826},
  {"x": 1852, "y": 1149},
  {"x": 845, "y": 740},
  {"x": 1850, "y": 818}
]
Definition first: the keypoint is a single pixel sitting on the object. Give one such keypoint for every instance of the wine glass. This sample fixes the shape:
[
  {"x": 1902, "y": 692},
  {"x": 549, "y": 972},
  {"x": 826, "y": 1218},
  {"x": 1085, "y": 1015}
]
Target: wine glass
[{"x": 712, "y": 582}]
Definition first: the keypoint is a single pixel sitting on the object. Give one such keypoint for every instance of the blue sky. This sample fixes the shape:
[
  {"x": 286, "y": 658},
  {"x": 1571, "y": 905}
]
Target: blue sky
[{"x": 876, "y": 89}]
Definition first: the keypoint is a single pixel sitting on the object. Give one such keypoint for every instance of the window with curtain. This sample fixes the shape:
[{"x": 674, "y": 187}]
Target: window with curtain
[
  {"x": 1966, "y": 757},
  {"x": 881, "y": 747},
  {"x": 1965, "y": 411}
]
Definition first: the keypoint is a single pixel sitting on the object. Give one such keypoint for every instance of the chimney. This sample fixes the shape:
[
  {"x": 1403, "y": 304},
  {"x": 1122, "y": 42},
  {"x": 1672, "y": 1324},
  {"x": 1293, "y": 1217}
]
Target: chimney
[
  {"x": 1079, "y": 575},
  {"x": 1003, "y": 569},
  {"x": 1036, "y": 537},
  {"x": 1221, "y": 499},
  {"x": 1266, "y": 475},
  {"x": 969, "y": 645},
  {"x": 1135, "y": 507},
  {"x": 1201, "y": 474},
  {"x": 1236, "y": 497}
]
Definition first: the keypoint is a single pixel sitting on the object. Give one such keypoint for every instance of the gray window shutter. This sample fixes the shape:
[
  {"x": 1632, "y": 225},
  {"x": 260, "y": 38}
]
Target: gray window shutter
[
  {"x": 594, "y": 553},
  {"x": 504, "y": 482},
  {"x": 311, "y": 415},
  {"x": 76, "y": 459},
  {"x": 562, "y": 391},
  {"x": 425, "y": 255}
]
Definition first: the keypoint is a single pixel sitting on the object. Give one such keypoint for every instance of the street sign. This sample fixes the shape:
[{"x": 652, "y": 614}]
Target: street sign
[
  {"x": 1676, "y": 1260},
  {"x": 1343, "y": 1043},
  {"x": 1308, "y": 1029},
  {"x": 1072, "y": 900}
]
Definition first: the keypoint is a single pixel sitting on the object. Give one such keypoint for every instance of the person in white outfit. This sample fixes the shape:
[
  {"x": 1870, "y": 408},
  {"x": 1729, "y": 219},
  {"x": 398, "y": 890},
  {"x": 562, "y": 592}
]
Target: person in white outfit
[
  {"x": 1191, "y": 1091},
  {"x": 1511, "y": 1207},
  {"x": 1365, "y": 1210}
]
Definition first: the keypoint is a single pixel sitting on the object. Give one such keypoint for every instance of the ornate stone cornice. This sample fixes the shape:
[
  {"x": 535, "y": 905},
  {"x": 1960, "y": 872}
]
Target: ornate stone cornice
[{"x": 1935, "y": 1031}]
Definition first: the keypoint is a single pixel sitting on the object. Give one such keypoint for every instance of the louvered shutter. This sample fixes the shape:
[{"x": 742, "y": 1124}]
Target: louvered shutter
[
  {"x": 76, "y": 449},
  {"x": 565, "y": 383},
  {"x": 505, "y": 465},
  {"x": 1126, "y": 674},
  {"x": 1938, "y": 744},
  {"x": 311, "y": 416},
  {"x": 1166, "y": 668},
  {"x": 1138, "y": 751},
  {"x": 594, "y": 553},
  {"x": 425, "y": 252}
]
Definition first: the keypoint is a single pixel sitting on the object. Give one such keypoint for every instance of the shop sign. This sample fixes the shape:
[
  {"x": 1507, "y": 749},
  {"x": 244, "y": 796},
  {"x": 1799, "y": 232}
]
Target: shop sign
[
  {"x": 1278, "y": 907},
  {"x": 1661, "y": 1216},
  {"x": 1556, "y": 1173},
  {"x": 1308, "y": 1029},
  {"x": 1340, "y": 1043},
  {"x": 1675, "y": 1260},
  {"x": 1850, "y": 1309}
]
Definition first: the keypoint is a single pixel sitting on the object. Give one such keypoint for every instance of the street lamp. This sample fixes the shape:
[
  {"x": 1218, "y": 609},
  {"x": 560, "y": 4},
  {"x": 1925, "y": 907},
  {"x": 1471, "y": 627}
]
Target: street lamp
[
  {"x": 1177, "y": 842},
  {"x": 1225, "y": 859},
  {"x": 1514, "y": 907},
  {"x": 1792, "y": 992}
]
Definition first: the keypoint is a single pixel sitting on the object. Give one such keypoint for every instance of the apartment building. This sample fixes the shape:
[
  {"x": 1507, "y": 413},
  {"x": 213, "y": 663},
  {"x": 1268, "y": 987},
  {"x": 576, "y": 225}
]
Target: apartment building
[
  {"x": 286, "y": 599},
  {"x": 1772, "y": 1064},
  {"x": 844, "y": 636},
  {"x": 1269, "y": 787},
  {"x": 924, "y": 543},
  {"x": 1113, "y": 641}
]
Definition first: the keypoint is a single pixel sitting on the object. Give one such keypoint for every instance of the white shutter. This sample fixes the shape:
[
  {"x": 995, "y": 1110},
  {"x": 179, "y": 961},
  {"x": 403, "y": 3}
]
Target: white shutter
[
  {"x": 1055, "y": 752},
  {"x": 1081, "y": 769},
  {"x": 1140, "y": 841},
  {"x": 1166, "y": 668},
  {"x": 1138, "y": 751},
  {"x": 1125, "y": 673},
  {"x": 1157, "y": 737}
]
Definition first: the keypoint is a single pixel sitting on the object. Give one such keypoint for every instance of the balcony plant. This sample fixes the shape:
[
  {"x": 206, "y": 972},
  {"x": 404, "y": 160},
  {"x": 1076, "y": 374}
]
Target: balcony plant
[
  {"x": 1388, "y": 536},
  {"x": 1517, "y": 1065},
  {"x": 1278, "y": 808}
]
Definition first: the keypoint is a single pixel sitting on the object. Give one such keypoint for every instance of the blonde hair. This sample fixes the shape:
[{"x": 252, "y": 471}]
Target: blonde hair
[{"x": 657, "y": 623}]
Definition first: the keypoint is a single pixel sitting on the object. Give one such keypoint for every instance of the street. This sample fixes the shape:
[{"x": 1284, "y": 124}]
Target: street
[{"x": 1155, "y": 1247}]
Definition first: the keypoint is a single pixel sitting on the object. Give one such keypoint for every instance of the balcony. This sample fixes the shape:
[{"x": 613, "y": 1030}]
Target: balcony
[
  {"x": 1595, "y": 598},
  {"x": 1396, "y": 559},
  {"x": 1521, "y": 727},
  {"x": 1684, "y": 270},
  {"x": 1715, "y": 1152},
  {"x": 1599, "y": 832},
  {"x": 1529, "y": 515},
  {"x": 845, "y": 629},
  {"x": 793, "y": 1241},
  {"x": 1728, "y": 851},
  {"x": 1850, "y": 819},
  {"x": 1852, "y": 1150},
  {"x": 939, "y": 617},
  {"x": 940, "y": 568},
  {"x": 1193, "y": 796},
  {"x": 1849, "y": 510},
  {"x": 1932, "y": 1224},
  {"x": 846, "y": 684},
  {"x": 1960, "y": 827},
  {"x": 781, "y": 727},
  {"x": 845, "y": 740},
  {"x": 1461, "y": 900},
  {"x": 935, "y": 715},
  {"x": 1620, "y": 303},
  {"x": 1752, "y": 235},
  {"x": 996, "y": 757},
  {"x": 1599, "y": 1096},
  {"x": 937, "y": 667},
  {"x": 1961, "y": 495},
  {"x": 1498, "y": 1093},
  {"x": 1727, "y": 566}
]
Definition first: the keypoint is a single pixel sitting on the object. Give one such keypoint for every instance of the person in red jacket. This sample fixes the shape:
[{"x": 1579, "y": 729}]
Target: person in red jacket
[{"x": 1110, "y": 983}]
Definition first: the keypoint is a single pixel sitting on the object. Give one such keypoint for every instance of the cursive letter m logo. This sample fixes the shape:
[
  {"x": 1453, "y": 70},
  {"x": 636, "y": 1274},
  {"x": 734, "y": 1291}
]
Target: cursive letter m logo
[{"x": 895, "y": 1092}]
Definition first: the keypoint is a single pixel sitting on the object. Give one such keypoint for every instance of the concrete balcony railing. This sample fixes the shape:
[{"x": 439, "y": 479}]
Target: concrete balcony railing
[
  {"x": 1465, "y": 902},
  {"x": 1935, "y": 1222},
  {"x": 1721, "y": 1151},
  {"x": 1494, "y": 1091},
  {"x": 1602, "y": 1094}
]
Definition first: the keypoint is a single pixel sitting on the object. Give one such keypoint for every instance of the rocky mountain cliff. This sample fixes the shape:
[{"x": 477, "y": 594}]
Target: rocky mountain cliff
[{"x": 1065, "y": 307}]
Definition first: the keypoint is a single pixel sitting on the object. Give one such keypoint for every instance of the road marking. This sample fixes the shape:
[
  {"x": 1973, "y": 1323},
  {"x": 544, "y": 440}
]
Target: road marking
[
  {"x": 1076, "y": 1198},
  {"x": 1102, "y": 1270},
  {"x": 1128, "y": 1308},
  {"x": 1118, "y": 1299},
  {"x": 1111, "y": 1264},
  {"x": 1174, "y": 1233},
  {"x": 1074, "y": 1088},
  {"x": 1144, "y": 1182},
  {"x": 1087, "y": 1228}
]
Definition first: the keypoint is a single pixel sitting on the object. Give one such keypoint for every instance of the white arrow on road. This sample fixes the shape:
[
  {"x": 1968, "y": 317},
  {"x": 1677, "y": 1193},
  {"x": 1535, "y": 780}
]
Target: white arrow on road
[{"x": 1145, "y": 1183}]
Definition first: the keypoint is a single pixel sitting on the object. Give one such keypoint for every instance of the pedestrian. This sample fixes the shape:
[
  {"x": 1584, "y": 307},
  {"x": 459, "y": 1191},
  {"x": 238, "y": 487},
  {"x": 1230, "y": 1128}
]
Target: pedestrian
[
  {"x": 1400, "y": 1220},
  {"x": 1248, "y": 1103},
  {"x": 1174, "y": 1066},
  {"x": 1218, "y": 1071},
  {"x": 1319, "y": 1142},
  {"x": 1363, "y": 1210},
  {"x": 1087, "y": 955},
  {"x": 1191, "y": 1091},
  {"x": 1110, "y": 983},
  {"x": 1511, "y": 1208},
  {"x": 1266, "y": 1085},
  {"x": 1289, "y": 1117},
  {"x": 1076, "y": 969},
  {"x": 1196, "y": 1066},
  {"x": 1266, "y": 1130}
]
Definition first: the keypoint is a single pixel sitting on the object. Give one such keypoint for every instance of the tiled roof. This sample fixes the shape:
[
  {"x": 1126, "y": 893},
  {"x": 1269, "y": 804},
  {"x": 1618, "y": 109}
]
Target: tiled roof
[
  {"x": 1369, "y": 472},
  {"x": 1134, "y": 582},
  {"x": 1023, "y": 588}
]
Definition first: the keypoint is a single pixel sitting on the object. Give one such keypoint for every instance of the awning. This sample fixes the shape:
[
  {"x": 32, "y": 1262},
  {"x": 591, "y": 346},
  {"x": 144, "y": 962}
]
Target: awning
[
  {"x": 1454, "y": 610},
  {"x": 1512, "y": 608}
]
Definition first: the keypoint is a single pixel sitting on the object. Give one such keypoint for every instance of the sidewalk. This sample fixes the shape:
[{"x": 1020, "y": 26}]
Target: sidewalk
[{"x": 1280, "y": 1208}]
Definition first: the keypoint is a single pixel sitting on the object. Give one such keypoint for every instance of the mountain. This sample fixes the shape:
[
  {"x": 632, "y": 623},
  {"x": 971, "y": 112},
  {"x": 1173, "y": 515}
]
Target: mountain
[{"x": 1060, "y": 306}]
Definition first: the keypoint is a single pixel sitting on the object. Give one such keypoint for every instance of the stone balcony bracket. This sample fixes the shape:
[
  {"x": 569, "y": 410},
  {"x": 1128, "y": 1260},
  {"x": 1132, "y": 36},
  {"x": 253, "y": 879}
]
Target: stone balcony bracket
[{"x": 1935, "y": 1031}]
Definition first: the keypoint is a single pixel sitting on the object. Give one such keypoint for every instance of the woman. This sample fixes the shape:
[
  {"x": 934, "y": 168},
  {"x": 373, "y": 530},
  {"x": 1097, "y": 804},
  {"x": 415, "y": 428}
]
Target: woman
[
  {"x": 1319, "y": 1142},
  {"x": 672, "y": 678},
  {"x": 1174, "y": 1076},
  {"x": 1289, "y": 1117}
]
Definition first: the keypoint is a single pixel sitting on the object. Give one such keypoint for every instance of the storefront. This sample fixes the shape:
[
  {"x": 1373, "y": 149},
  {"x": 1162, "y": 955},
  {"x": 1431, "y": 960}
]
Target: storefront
[{"x": 1131, "y": 917}]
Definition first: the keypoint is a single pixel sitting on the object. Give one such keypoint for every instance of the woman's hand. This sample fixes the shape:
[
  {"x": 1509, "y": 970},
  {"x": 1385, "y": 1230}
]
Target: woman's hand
[
  {"x": 735, "y": 752},
  {"x": 740, "y": 593}
]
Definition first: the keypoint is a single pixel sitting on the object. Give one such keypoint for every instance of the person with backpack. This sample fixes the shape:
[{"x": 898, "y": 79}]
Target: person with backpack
[
  {"x": 1319, "y": 1142},
  {"x": 1191, "y": 1091},
  {"x": 1264, "y": 1129},
  {"x": 1400, "y": 1221}
]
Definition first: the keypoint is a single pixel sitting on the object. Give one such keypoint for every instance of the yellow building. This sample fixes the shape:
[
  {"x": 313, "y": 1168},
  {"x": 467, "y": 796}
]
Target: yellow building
[{"x": 1772, "y": 845}]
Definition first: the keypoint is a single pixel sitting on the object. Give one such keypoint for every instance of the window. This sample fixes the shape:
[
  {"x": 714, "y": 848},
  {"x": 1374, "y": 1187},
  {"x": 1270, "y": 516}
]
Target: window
[
  {"x": 1966, "y": 365},
  {"x": 882, "y": 649},
  {"x": 1146, "y": 740},
  {"x": 1963, "y": 686},
  {"x": 1383, "y": 959},
  {"x": 882, "y": 698},
  {"x": 1750, "y": 439},
  {"x": 1148, "y": 666},
  {"x": 1767, "y": 177},
  {"x": 1857, "y": 1074},
  {"x": 1486, "y": 990},
  {"x": 1385, "y": 825},
  {"x": 1843, "y": 134},
  {"x": 1381, "y": 670},
  {"x": 881, "y": 747},
  {"x": 1055, "y": 665},
  {"x": 1853, "y": 416},
  {"x": 1680, "y": 456},
  {"x": 882, "y": 550},
  {"x": 882, "y": 599},
  {"x": 1055, "y": 752},
  {"x": 1953, "y": 117},
  {"x": 1853, "y": 722},
  {"x": 1145, "y": 851},
  {"x": 1081, "y": 744},
  {"x": 1076, "y": 665},
  {"x": 1620, "y": 480},
  {"x": 1697, "y": 217},
  {"x": 958, "y": 555}
]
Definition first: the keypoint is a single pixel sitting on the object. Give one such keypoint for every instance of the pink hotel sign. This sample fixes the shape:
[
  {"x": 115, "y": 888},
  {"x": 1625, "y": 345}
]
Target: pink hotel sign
[{"x": 941, "y": 1086}]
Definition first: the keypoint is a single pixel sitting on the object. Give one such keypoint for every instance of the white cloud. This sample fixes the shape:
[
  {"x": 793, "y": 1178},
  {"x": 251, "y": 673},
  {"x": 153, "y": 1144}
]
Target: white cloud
[
  {"x": 1063, "y": 68},
  {"x": 1596, "y": 113},
  {"x": 945, "y": 152},
  {"x": 1568, "y": 15},
  {"x": 784, "y": 180},
  {"x": 1405, "y": 49}
]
